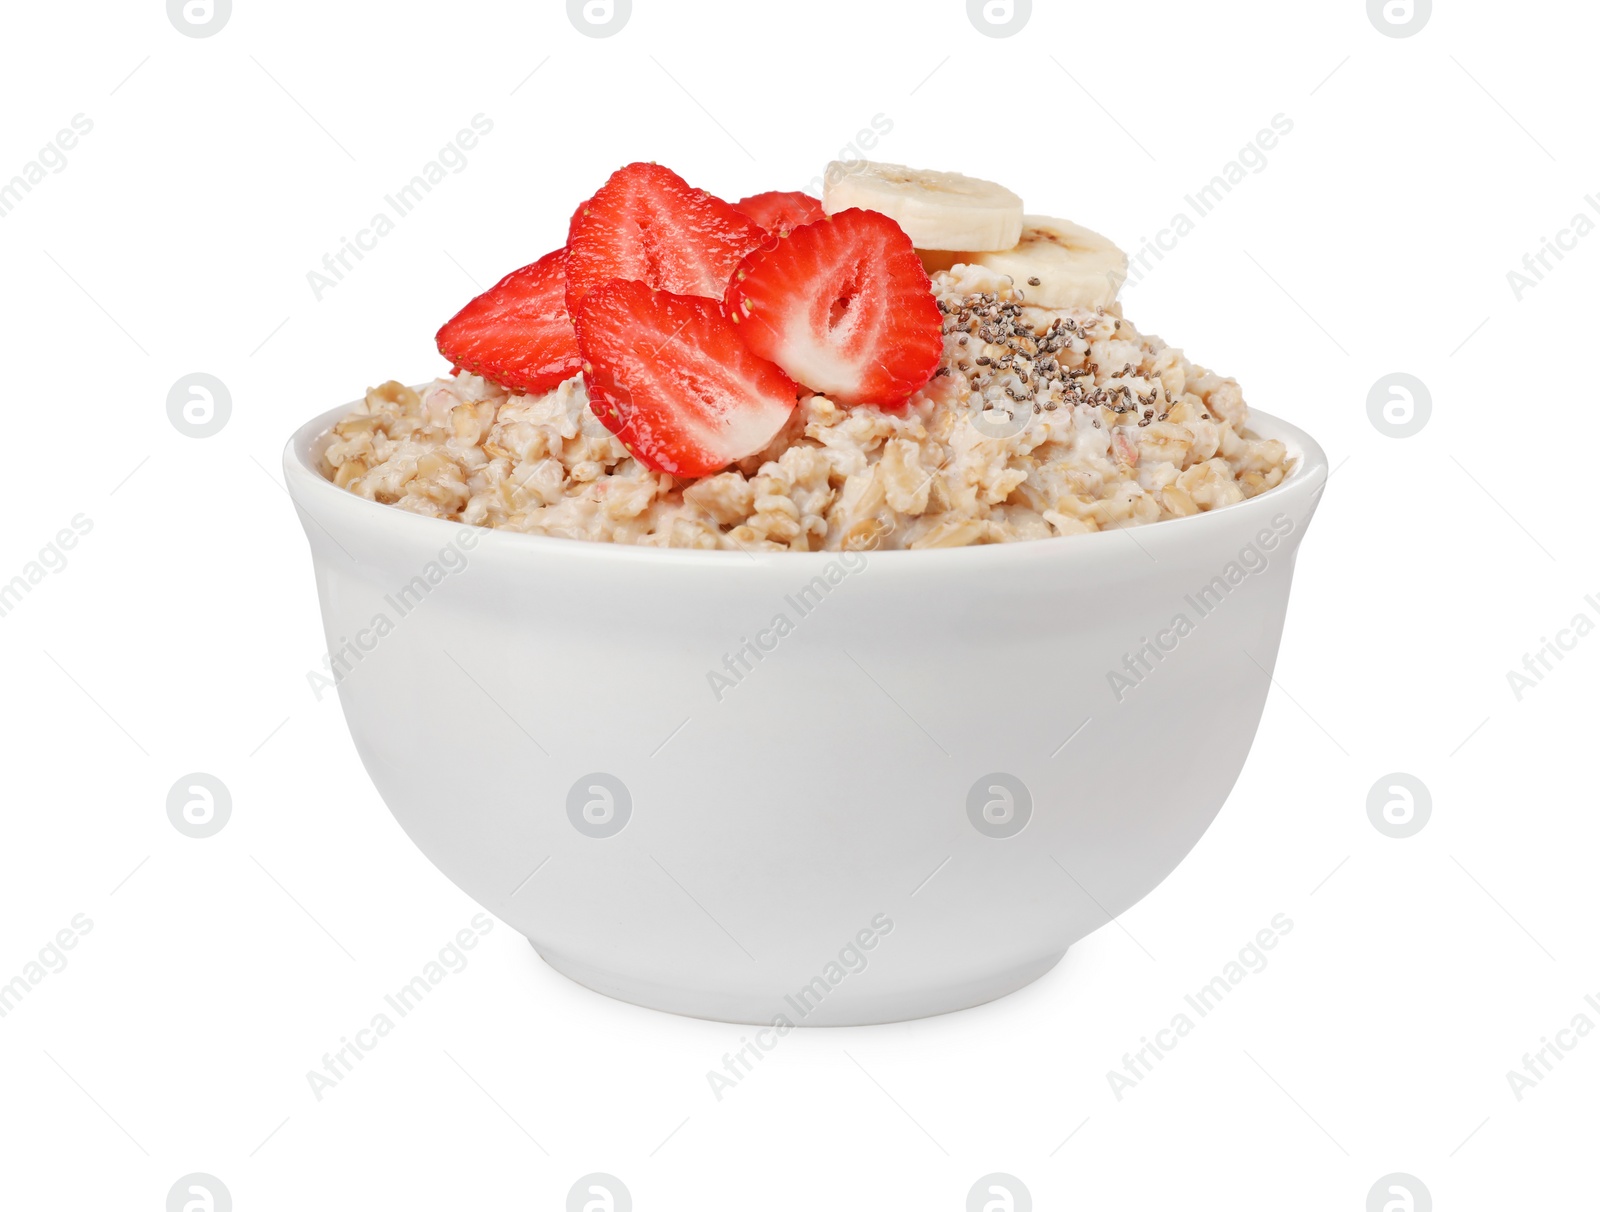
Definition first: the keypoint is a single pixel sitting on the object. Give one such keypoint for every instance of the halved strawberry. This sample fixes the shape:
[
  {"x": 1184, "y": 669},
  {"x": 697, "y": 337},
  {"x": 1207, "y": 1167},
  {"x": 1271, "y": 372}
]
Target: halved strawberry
[
  {"x": 781, "y": 212},
  {"x": 647, "y": 224},
  {"x": 844, "y": 306},
  {"x": 518, "y": 332},
  {"x": 668, "y": 375}
]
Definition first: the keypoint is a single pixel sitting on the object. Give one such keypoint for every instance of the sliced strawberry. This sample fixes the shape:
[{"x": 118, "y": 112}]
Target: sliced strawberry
[
  {"x": 647, "y": 224},
  {"x": 844, "y": 306},
  {"x": 518, "y": 332},
  {"x": 668, "y": 375},
  {"x": 780, "y": 212}
]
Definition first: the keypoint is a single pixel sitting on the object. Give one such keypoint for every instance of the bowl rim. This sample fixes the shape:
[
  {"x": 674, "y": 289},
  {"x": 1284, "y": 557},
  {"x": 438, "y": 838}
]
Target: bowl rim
[{"x": 308, "y": 487}]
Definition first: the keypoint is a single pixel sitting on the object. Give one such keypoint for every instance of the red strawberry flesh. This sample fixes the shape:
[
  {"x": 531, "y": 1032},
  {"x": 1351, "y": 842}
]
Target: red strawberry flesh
[
  {"x": 780, "y": 212},
  {"x": 669, "y": 376},
  {"x": 647, "y": 224},
  {"x": 843, "y": 306},
  {"x": 518, "y": 332}
]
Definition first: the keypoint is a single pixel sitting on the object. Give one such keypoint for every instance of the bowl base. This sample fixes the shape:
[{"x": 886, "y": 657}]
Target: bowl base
[{"x": 842, "y": 1011}]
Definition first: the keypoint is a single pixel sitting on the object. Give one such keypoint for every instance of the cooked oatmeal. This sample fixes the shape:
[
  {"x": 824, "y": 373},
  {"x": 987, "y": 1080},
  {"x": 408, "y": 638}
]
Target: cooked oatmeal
[{"x": 1038, "y": 423}]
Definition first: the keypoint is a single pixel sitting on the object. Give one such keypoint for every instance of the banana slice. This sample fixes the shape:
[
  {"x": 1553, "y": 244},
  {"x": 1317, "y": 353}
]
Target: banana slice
[
  {"x": 937, "y": 210},
  {"x": 1058, "y": 264}
]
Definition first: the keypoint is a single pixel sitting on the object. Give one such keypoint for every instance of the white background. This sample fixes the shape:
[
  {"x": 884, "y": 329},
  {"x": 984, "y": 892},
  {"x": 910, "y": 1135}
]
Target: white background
[{"x": 177, "y": 638}]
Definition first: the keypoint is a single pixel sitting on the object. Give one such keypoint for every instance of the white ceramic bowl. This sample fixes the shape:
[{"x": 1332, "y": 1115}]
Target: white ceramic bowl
[{"x": 832, "y": 835}]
